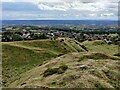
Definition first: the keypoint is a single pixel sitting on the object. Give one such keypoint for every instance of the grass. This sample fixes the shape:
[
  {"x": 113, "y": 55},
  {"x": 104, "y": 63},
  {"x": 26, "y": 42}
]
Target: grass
[
  {"x": 97, "y": 56},
  {"x": 103, "y": 48},
  {"x": 113, "y": 76},
  {"x": 99, "y": 86},
  {"x": 99, "y": 42},
  {"x": 50, "y": 45},
  {"x": 19, "y": 57},
  {"x": 65, "y": 71},
  {"x": 17, "y": 60}
]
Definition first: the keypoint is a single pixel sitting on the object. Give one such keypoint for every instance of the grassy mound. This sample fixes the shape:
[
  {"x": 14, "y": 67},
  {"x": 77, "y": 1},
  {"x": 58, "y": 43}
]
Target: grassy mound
[
  {"x": 97, "y": 56},
  {"x": 17, "y": 60},
  {"x": 19, "y": 57},
  {"x": 98, "y": 42},
  {"x": 94, "y": 70},
  {"x": 101, "y": 47}
]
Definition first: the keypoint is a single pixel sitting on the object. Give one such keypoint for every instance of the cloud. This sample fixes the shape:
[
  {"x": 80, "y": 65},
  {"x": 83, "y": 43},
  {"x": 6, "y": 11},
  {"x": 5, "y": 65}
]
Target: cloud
[
  {"x": 107, "y": 14},
  {"x": 8, "y": 0},
  {"x": 77, "y": 5},
  {"x": 62, "y": 9},
  {"x": 52, "y": 7}
]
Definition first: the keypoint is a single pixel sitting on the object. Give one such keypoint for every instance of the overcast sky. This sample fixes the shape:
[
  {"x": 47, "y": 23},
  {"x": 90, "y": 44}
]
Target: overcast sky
[{"x": 59, "y": 9}]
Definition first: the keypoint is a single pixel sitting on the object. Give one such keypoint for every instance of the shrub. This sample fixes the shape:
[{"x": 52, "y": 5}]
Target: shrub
[
  {"x": 62, "y": 83},
  {"x": 62, "y": 69},
  {"x": 99, "y": 86},
  {"x": 54, "y": 83},
  {"x": 17, "y": 37},
  {"x": 51, "y": 71}
]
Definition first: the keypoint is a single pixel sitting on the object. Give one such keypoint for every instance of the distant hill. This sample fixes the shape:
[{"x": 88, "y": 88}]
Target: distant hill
[{"x": 55, "y": 22}]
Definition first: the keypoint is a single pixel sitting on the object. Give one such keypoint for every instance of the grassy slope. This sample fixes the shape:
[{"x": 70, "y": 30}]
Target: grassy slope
[
  {"x": 100, "y": 46},
  {"x": 19, "y": 57},
  {"x": 88, "y": 73},
  {"x": 83, "y": 70}
]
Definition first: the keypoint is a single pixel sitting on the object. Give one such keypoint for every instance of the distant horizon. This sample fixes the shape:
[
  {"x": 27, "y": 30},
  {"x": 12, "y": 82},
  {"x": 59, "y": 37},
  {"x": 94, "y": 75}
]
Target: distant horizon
[
  {"x": 66, "y": 20},
  {"x": 57, "y": 22}
]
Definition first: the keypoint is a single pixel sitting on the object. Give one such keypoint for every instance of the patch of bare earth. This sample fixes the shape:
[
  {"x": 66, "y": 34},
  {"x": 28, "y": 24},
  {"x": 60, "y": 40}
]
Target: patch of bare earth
[{"x": 40, "y": 51}]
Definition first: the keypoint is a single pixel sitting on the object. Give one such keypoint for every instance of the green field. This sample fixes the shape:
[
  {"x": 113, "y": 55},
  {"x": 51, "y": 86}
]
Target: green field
[{"x": 26, "y": 62}]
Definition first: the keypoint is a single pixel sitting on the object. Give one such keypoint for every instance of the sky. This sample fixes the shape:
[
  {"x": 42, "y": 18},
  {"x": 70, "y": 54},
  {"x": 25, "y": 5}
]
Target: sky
[{"x": 59, "y": 9}]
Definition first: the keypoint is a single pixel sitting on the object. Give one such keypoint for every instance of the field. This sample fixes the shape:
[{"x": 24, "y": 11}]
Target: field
[{"x": 60, "y": 63}]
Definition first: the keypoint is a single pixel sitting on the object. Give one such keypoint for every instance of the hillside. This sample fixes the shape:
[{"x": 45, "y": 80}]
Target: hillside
[
  {"x": 19, "y": 57},
  {"x": 63, "y": 63}
]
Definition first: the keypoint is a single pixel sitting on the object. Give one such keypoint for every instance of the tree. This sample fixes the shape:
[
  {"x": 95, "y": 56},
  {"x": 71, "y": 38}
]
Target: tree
[{"x": 17, "y": 37}]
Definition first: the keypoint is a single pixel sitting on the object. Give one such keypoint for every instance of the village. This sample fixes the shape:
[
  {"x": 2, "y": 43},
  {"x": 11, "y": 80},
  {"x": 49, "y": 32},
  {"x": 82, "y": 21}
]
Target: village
[{"x": 19, "y": 33}]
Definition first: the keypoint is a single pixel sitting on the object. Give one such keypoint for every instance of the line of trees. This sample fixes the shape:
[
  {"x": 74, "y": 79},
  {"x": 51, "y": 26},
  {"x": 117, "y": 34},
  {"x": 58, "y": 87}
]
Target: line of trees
[{"x": 18, "y": 36}]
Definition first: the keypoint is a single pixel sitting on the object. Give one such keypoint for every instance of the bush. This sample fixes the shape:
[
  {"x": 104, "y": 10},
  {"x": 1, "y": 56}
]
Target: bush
[
  {"x": 99, "y": 86},
  {"x": 17, "y": 37},
  {"x": 62, "y": 69},
  {"x": 51, "y": 71}
]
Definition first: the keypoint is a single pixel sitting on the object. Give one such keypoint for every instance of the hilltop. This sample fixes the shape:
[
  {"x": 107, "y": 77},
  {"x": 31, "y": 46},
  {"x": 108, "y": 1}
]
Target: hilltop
[
  {"x": 19, "y": 57},
  {"x": 62, "y": 63}
]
